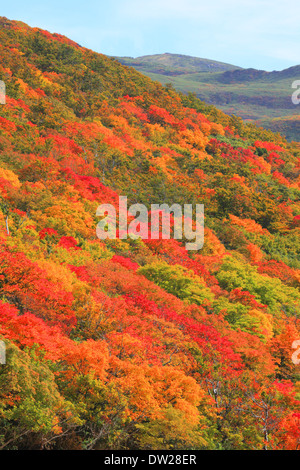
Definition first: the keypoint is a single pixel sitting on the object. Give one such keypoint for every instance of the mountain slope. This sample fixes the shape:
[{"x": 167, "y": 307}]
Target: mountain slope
[
  {"x": 175, "y": 64},
  {"x": 140, "y": 343},
  {"x": 255, "y": 95}
]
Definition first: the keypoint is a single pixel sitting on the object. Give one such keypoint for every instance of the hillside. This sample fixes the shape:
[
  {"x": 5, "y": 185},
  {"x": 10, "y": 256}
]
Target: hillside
[
  {"x": 255, "y": 95},
  {"x": 175, "y": 64},
  {"x": 140, "y": 343}
]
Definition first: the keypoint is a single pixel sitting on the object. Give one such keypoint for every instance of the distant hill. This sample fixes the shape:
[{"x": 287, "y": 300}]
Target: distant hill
[
  {"x": 246, "y": 75},
  {"x": 175, "y": 64},
  {"x": 138, "y": 342},
  {"x": 255, "y": 95}
]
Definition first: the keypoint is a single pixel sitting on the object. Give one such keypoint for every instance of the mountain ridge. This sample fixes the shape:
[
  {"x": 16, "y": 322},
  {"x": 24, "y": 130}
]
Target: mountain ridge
[
  {"x": 179, "y": 62},
  {"x": 138, "y": 343}
]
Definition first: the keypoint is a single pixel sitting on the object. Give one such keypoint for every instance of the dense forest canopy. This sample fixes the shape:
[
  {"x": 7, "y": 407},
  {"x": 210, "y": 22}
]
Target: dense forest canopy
[{"x": 140, "y": 344}]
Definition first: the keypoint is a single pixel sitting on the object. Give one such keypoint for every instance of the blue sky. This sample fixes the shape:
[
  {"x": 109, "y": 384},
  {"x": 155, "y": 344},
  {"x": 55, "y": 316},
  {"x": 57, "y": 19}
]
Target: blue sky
[{"x": 263, "y": 34}]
